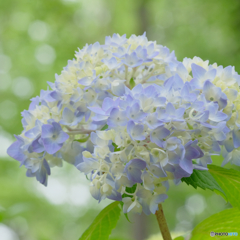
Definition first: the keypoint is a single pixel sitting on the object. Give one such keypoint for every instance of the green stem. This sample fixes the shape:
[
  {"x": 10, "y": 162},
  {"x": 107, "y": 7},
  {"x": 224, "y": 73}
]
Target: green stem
[{"x": 163, "y": 223}]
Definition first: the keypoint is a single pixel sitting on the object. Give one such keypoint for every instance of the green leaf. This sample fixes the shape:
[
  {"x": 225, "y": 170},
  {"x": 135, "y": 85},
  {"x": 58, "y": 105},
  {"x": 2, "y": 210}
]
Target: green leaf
[
  {"x": 204, "y": 180},
  {"x": 104, "y": 127},
  {"x": 116, "y": 148},
  {"x": 225, "y": 221},
  {"x": 189, "y": 126},
  {"x": 117, "y": 238},
  {"x": 2, "y": 215},
  {"x": 179, "y": 238},
  {"x": 132, "y": 83},
  {"x": 83, "y": 140},
  {"x": 229, "y": 181},
  {"x": 130, "y": 190},
  {"x": 103, "y": 224},
  {"x": 125, "y": 214}
]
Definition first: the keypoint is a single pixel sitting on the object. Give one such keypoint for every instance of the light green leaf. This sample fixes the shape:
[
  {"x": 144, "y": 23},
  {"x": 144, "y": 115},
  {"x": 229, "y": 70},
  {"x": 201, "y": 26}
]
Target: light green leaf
[
  {"x": 132, "y": 83},
  {"x": 204, "y": 180},
  {"x": 117, "y": 238},
  {"x": 103, "y": 224},
  {"x": 225, "y": 221},
  {"x": 229, "y": 181},
  {"x": 179, "y": 238},
  {"x": 83, "y": 140}
]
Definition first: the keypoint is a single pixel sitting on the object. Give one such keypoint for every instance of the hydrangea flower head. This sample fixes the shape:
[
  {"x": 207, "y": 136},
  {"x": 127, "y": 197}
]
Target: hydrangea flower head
[{"x": 130, "y": 116}]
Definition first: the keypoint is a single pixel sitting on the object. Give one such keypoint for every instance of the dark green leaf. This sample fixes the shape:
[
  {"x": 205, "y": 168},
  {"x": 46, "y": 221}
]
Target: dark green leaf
[
  {"x": 204, "y": 180},
  {"x": 131, "y": 83},
  {"x": 116, "y": 148},
  {"x": 130, "y": 190},
  {"x": 103, "y": 224},
  {"x": 229, "y": 181},
  {"x": 225, "y": 221},
  {"x": 2, "y": 215},
  {"x": 104, "y": 127}
]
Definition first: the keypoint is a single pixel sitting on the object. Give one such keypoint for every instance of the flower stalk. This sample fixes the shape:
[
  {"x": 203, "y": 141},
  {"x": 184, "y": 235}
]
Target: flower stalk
[{"x": 163, "y": 223}]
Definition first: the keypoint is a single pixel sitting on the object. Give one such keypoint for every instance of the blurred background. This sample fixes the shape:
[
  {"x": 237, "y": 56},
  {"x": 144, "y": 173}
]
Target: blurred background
[{"x": 36, "y": 40}]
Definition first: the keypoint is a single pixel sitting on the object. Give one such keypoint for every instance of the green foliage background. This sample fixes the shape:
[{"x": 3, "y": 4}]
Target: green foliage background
[{"x": 31, "y": 33}]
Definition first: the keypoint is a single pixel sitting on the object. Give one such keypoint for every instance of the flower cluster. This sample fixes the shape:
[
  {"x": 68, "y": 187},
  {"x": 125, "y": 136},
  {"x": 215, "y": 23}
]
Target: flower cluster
[{"x": 132, "y": 117}]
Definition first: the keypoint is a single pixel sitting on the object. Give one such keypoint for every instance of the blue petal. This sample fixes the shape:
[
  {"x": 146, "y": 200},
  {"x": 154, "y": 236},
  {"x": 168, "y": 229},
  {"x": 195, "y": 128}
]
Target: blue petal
[
  {"x": 115, "y": 196},
  {"x": 156, "y": 200},
  {"x": 137, "y": 163},
  {"x": 37, "y": 146},
  {"x": 45, "y": 164},
  {"x": 87, "y": 166},
  {"x": 182, "y": 70},
  {"x": 229, "y": 145},
  {"x": 186, "y": 165},
  {"x": 47, "y": 131},
  {"x": 97, "y": 110},
  {"x": 170, "y": 109},
  {"x": 218, "y": 117},
  {"x": 191, "y": 153},
  {"x": 157, "y": 171},
  {"x": 86, "y": 81},
  {"x": 134, "y": 175},
  {"x": 137, "y": 131},
  {"x": 197, "y": 71},
  {"x": 15, "y": 151},
  {"x": 109, "y": 103},
  {"x": 236, "y": 138},
  {"x": 32, "y": 133},
  {"x": 50, "y": 146},
  {"x": 62, "y": 137},
  {"x": 208, "y": 87},
  {"x": 68, "y": 116}
]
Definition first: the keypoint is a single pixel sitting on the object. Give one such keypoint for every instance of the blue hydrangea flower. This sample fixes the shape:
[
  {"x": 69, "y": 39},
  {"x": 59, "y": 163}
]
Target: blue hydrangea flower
[
  {"x": 134, "y": 170},
  {"x": 129, "y": 115},
  {"x": 53, "y": 137}
]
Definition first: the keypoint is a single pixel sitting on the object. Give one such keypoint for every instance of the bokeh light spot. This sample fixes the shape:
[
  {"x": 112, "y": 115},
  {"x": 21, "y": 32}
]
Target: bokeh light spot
[
  {"x": 45, "y": 54},
  {"x": 56, "y": 192},
  {"x": 79, "y": 194},
  {"x": 22, "y": 87},
  {"x": 195, "y": 204},
  {"x": 38, "y": 30}
]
